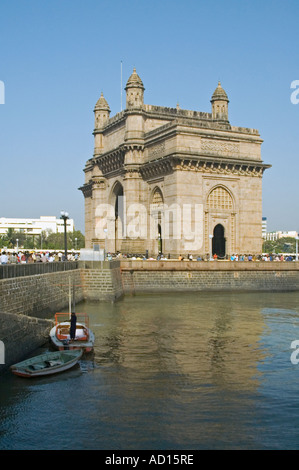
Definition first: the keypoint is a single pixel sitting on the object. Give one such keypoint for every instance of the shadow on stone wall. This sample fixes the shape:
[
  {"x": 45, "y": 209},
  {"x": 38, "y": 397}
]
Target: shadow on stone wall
[{"x": 20, "y": 335}]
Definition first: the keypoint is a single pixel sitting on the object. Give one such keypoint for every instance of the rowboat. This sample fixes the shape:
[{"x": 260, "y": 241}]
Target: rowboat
[
  {"x": 47, "y": 363},
  {"x": 60, "y": 333}
]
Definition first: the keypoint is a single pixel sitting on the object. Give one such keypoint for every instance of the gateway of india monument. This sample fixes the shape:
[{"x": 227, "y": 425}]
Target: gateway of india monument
[{"x": 172, "y": 180}]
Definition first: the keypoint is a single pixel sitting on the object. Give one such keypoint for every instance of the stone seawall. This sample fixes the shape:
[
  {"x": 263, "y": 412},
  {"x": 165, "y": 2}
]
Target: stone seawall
[
  {"x": 46, "y": 292},
  {"x": 30, "y": 301},
  {"x": 40, "y": 294},
  {"x": 101, "y": 280},
  {"x": 20, "y": 335},
  {"x": 173, "y": 276}
]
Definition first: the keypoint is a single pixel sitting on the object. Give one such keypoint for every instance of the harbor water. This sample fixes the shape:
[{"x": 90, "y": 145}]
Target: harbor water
[{"x": 170, "y": 372}]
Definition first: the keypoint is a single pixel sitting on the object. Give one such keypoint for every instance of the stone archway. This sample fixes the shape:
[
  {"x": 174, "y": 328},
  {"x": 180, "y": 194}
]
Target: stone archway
[
  {"x": 221, "y": 213},
  {"x": 157, "y": 212},
  {"x": 117, "y": 200},
  {"x": 218, "y": 242}
]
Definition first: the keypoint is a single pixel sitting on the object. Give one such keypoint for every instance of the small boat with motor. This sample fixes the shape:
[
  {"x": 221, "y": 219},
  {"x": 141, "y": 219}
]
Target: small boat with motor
[
  {"x": 66, "y": 335},
  {"x": 60, "y": 333},
  {"x": 47, "y": 364}
]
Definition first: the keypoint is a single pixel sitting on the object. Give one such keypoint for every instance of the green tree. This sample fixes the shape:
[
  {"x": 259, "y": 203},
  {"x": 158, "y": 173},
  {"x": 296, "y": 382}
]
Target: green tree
[
  {"x": 76, "y": 240},
  {"x": 55, "y": 241},
  {"x": 282, "y": 245},
  {"x": 45, "y": 241},
  {"x": 12, "y": 238}
]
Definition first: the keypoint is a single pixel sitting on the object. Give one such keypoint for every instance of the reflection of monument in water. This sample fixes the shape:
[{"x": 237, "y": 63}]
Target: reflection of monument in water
[
  {"x": 189, "y": 364},
  {"x": 192, "y": 181},
  {"x": 204, "y": 338}
]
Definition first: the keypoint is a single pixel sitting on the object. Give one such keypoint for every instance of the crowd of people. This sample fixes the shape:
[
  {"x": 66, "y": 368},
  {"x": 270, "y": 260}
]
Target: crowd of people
[
  {"x": 263, "y": 257},
  {"x": 207, "y": 257},
  {"x": 23, "y": 257}
]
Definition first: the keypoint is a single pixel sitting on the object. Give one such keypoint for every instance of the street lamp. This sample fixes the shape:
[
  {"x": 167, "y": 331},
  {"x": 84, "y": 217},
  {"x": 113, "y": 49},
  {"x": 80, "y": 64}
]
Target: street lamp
[
  {"x": 64, "y": 216},
  {"x": 159, "y": 243},
  {"x": 211, "y": 247},
  {"x": 296, "y": 238}
]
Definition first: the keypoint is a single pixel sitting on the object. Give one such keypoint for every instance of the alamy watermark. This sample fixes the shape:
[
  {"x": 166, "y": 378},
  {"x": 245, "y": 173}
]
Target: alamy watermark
[
  {"x": 133, "y": 221},
  {"x": 2, "y": 92},
  {"x": 295, "y": 93},
  {"x": 295, "y": 345},
  {"x": 2, "y": 353}
]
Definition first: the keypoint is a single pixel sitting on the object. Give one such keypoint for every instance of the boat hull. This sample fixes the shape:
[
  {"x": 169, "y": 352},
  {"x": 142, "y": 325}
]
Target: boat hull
[
  {"x": 65, "y": 343},
  {"x": 46, "y": 364}
]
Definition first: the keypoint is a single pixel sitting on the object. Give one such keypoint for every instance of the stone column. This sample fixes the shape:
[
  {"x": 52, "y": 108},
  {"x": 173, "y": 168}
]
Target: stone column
[
  {"x": 135, "y": 208},
  {"x": 99, "y": 203}
]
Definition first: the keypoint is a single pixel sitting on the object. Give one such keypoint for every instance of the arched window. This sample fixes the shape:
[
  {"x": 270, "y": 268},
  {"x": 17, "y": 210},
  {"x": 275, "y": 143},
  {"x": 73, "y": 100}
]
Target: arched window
[
  {"x": 220, "y": 198},
  {"x": 157, "y": 200}
]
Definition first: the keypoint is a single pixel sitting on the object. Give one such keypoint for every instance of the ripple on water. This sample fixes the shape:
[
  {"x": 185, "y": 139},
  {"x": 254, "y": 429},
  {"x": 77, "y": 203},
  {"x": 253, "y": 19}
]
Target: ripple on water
[{"x": 178, "y": 371}]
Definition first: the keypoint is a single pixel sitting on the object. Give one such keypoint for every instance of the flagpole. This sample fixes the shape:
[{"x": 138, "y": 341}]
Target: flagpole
[{"x": 121, "y": 85}]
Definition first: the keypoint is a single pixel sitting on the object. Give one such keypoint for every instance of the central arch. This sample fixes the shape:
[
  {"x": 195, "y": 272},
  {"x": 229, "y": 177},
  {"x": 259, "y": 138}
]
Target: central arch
[
  {"x": 218, "y": 243},
  {"x": 117, "y": 201},
  {"x": 157, "y": 212},
  {"x": 220, "y": 221}
]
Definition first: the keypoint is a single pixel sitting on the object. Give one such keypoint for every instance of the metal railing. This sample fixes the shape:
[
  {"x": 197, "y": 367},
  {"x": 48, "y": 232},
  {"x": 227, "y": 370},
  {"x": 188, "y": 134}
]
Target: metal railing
[{"x": 8, "y": 271}]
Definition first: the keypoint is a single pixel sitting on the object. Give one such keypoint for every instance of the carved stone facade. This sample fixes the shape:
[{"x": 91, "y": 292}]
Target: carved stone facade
[{"x": 173, "y": 180}]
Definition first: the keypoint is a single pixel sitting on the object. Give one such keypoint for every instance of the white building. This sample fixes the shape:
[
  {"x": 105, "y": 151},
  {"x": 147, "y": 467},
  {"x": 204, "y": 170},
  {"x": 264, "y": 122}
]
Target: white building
[
  {"x": 35, "y": 226},
  {"x": 279, "y": 234},
  {"x": 264, "y": 227}
]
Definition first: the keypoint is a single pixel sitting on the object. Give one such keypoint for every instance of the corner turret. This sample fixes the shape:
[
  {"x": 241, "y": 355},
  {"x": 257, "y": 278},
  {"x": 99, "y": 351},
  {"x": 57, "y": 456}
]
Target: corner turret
[
  {"x": 220, "y": 102},
  {"x": 135, "y": 91},
  {"x": 101, "y": 117},
  {"x": 101, "y": 112}
]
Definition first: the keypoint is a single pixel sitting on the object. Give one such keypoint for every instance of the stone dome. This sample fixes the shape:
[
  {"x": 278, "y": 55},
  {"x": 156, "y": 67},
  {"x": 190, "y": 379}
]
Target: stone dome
[
  {"x": 102, "y": 104},
  {"x": 134, "y": 81},
  {"x": 219, "y": 94}
]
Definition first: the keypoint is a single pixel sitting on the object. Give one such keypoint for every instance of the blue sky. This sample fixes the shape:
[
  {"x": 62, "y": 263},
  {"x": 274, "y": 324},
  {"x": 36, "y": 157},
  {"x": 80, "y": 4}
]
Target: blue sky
[{"x": 57, "y": 56}]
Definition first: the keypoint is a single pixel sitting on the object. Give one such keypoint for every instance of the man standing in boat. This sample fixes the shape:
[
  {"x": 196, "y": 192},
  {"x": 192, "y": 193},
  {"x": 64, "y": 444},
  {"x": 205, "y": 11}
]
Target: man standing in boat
[{"x": 73, "y": 326}]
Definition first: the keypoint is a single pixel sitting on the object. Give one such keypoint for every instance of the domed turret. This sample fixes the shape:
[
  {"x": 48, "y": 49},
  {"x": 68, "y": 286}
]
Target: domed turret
[
  {"x": 219, "y": 102},
  {"x": 101, "y": 111},
  {"x": 134, "y": 89},
  {"x": 101, "y": 117},
  {"x": 102, "y": 103},
  {"x": 219, "y": 93}
]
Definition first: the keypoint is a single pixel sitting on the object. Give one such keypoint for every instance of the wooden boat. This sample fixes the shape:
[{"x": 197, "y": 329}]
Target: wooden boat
[
  {"x": 47, "y": 363},
  {"x": 60, "y": 333}
]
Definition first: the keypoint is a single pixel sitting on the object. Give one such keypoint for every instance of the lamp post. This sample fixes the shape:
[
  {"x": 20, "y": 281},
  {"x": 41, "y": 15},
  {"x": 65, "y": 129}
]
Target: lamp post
[
  {"x": 159, "y": 243},
  {"x": 64, "y": 216},
  {"x": 296, "y": 238},
  {"x": 211, "y": 247}
]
